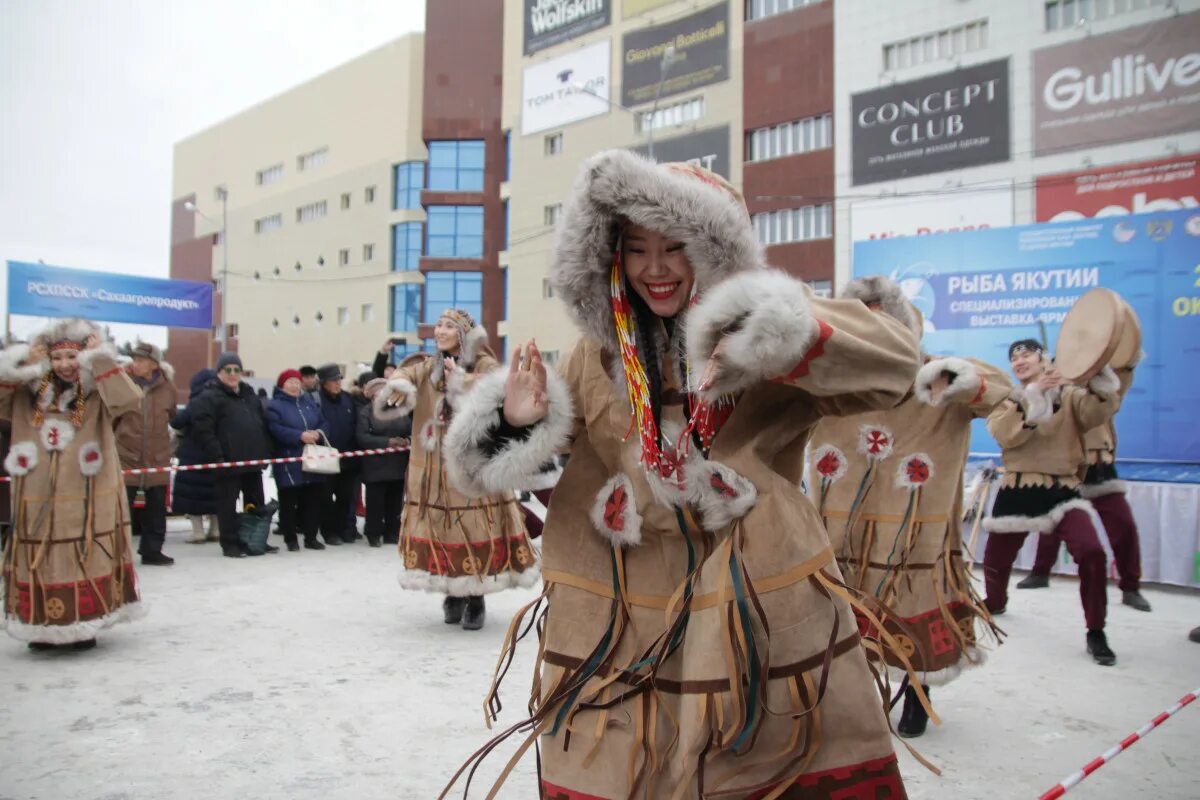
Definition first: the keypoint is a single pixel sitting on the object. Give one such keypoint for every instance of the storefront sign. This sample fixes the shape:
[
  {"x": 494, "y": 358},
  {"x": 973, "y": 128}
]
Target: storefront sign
[
  {"x": 551, "y": 22},
  {"x": 566, "y": 89},
  {"x": 700, "y": 57},
  {"x": 1164, "y": 185},
  {"x": 708, "y": 148}
]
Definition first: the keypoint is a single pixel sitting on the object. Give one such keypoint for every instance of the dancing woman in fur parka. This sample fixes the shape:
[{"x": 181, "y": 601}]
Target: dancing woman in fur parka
[{"x": 698, "y": 639}]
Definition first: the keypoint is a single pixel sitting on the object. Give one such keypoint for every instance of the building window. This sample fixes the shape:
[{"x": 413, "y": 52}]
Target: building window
[
  {"x": 547, "y": 289},
  {"x": 553, "y": 144},
  {"x": 671, "y": 115},
  {"x": 551, "y": 214},
  {"x": 789, "y": 138},
  {"x": 368, "y": 312},
  {"x": 368, "y": 253},
  {"x": 794, "y": 224},
  {"x": 344, "y": 257},
  {"x": 507, "y": 155},
  {"x": 312, "y": 211},
  {"x": 939, "y": 45},
  {"x": 821, "y": 288},
  {"x": 345, "y": 200},
  {"x": 264, "y": 224},
  {"x": 758, "y": 9},
  {"x": 408, "y": 179},
  {"x": 369, "y": 194},
  {"x": 456, "y": 166},
  {"x": 312, "y": 160},
  {"x": 269, "y": 175},
  {"x": 506, "y": 223},
  {"x": 406, "y": 247},
  {"x": 406, "y": 306},
  {"x": 454, "y": 232},
  {"x": 343, "y": 315},
  {"x": 1065, "y": 13},
  {"x": 453, "y": 290}
]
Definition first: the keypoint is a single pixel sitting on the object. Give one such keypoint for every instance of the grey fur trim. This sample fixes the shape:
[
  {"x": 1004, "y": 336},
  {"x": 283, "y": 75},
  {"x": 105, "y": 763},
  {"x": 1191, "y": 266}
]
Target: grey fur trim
[
  {"x": 618, "y": 185},
  {"x": 764, "y": 324},
  {"x": 966, "y": 380},
  {"x": 1043, "y": 524},
  {"x": 1090, "y": 491},
  {"x": 1039, "y": 405},
  {"x": 885, "y": 291},
  {"x": 469, "y": 585},
  {"x": 519, "y": 463},
  {"x": 76, "y": 631},
  {"x": 720, "y": 494},
  {"x": 1106, "y": 384},
  {"x": 380, "y": 406},
  {"x": 73, "y": 329},
  {"x": 631, "y": 521},
  {"x": 973, "y": 657},
  {"x": 13, "y": 368}
]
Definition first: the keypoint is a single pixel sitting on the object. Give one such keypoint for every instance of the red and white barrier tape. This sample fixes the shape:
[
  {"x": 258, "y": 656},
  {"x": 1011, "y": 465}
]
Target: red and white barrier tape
[
  {"x": 259, "y": 462},
  {"x": 1071, "y": 781}
]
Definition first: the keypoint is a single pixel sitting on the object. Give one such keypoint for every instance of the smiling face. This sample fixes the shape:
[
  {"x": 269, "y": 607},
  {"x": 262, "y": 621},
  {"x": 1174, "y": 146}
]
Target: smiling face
[
  {"x": 445, "y": 333},
  {"x": 657, "y": 269},
  {"x": 65, "y": 364},
  {"x": 1026, "y": 365}
]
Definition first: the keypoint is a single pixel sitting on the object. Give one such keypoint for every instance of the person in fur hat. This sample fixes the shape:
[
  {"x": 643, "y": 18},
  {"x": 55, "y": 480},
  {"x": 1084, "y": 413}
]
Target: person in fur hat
[
  {"x": 144, "y": 441},
  {"x": 451, "y": 544},
  {"x": 68, "y": 569},
  {"x": 1106, "y": 491},
  {"x": 888, "y": 485},
  {"x": 1040, "y": 429},
  {"x": 697, "y": 637}
]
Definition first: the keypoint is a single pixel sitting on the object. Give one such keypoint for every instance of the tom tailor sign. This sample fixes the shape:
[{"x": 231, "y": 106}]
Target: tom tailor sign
[
  {"x": 566, "y": 88},
  {"x": 1131, "y": 84},
  {"x": 949, "y": 121},
  {"x": 549, "y": 22},
  {"x": 701, "y": 56}
]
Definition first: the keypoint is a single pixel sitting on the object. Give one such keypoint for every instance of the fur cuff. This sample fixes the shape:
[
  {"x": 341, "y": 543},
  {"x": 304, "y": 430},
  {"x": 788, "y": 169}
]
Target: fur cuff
[
  {"x": 763, "y": 323},
  {"x": 107, "y": 350},
  {"x": 1043, "y": 524},
  {"x": 615, "y": 512},
  {"x": 518, "y": 463},
  {"x": 397, "y": 386},
  {"x": 14, "y": 369},
  {"x": 1092, "y": 490},
  {"x": 890, "y": 297},
  {"x": 1106, "y": 384},
  {"x": 1039, "y": 405},
  {"x": 966, "y": 380}
]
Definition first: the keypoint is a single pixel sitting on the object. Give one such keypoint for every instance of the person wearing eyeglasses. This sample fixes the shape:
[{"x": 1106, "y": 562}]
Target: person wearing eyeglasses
[{"x": 229, "y": 426}]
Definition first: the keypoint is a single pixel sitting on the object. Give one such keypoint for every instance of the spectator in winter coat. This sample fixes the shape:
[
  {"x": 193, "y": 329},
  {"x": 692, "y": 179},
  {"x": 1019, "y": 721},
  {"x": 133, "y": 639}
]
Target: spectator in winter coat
[
  {"x": 383, "y": 475},
  {"x": 230, "y": 426},
  {"x": 294, "y": 421},
  {"x": 310, "y": 384},
  {"x": 194, "y": 493},
  {"x": 383, "y": 366},
  {"x": 341, "y": 418},
  {"x": 144, "y": 441}
]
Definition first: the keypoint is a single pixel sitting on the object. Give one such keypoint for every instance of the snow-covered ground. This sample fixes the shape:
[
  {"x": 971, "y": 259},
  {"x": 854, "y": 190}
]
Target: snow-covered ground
[{"x": 311, "y": 675}]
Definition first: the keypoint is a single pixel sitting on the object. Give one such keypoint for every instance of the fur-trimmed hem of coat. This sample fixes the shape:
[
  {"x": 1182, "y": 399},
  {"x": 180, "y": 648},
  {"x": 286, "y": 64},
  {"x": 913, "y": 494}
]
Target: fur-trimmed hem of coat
[
  {"x": 966, "y": 380},
  {"x": 519, "y": 463},
  {"x": 971, "y": 659},
  {"x": 1089, "y": 491},
  {"x": 76, "y": 631},
  {"x": 468, "y": 585},
  {"x": 1042, "y": 524}
]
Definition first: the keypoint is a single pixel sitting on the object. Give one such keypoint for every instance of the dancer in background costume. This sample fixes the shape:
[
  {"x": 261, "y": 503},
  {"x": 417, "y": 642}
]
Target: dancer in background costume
[
  {"x": 1102, "y": 486},
  {"x": 68, "y": 568},
  {"x": 1040, "y": 430},
  {"x": 453, "y": 545},
  {"x": 698, "y": 640},
  {"x": 889, "y": 487}
]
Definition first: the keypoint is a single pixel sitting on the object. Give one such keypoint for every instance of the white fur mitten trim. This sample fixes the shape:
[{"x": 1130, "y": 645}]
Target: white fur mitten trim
[
  {"x": 395, "y": 400},
  {"x": 1039, "y": 405},
  {"x": 763, "y": 322},
  {"x": 1106, "y": 384},
  {"x": 966, "y": 380}
]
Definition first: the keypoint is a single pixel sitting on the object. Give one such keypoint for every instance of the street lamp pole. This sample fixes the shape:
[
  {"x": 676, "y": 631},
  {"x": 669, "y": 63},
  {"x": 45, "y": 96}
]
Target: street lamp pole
[{"x": 668, "y": 58}]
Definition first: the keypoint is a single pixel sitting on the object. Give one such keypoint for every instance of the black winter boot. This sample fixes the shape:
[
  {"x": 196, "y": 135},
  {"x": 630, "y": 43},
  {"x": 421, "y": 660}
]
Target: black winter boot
[
  {"x": 1034, "y": 581},
  {"x": 913, "y": 719},
  {"x": 452, "y": 607},
  {"x": 313, "y": 543},
  {"x": 474, "y": 613},
  {"x": 1097, "y": 645}
]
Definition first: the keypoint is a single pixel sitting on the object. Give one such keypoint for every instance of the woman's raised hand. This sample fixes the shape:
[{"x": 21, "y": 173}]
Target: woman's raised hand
[{"x": 525, "y": 398}]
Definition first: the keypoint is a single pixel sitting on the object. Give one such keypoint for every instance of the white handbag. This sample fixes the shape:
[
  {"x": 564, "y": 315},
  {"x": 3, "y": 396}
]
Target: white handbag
[{"x": 321, "y": 459}]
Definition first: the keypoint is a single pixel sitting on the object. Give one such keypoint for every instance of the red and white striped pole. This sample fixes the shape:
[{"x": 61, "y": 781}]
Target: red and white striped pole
[{"x": 1073, "y": 780}]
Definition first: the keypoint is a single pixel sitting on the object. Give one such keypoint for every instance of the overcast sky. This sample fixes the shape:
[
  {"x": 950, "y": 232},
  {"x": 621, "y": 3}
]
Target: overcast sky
[{"x": 94, "y": 95}]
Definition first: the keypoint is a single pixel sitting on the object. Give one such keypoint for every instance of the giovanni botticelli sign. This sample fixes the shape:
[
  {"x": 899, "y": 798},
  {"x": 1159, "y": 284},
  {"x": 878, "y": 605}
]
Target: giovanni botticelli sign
[
  {"x": 701, "y": 58},
  {"x": 1132, "y": 84},
  {"x": 948, "y": 121},
  {"x": 549, "y": 22},
  {"x": 42, "y": 291}
]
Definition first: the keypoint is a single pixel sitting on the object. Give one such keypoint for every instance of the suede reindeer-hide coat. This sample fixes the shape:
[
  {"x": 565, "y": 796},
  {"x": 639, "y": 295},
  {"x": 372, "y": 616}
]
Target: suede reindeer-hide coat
[
  {"x": 68, "y": 569},
  {"x": 888, "y": 485},
  {"x": 1100, "y": 443},
  {"x": 450, "y": 543},
  {"x": 679, "y": 613}
]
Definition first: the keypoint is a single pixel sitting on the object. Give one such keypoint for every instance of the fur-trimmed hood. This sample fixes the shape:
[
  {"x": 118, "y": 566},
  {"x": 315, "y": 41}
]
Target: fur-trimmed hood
[
  {"x": 619, "y": 185},
  {"x": 885, "y": 291},
  {"x": 12, "y": 360}
]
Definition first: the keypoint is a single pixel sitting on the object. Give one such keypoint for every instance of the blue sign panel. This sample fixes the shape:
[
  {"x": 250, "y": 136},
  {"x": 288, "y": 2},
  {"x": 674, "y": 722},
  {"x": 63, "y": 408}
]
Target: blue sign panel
[
  {"x": 981, "y": 290},
  {"x": 42, "y": 291}
]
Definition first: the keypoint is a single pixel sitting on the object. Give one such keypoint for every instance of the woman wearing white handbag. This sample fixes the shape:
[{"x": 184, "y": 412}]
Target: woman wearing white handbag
[{"x": 298, "y": 429}]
